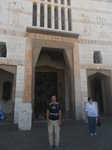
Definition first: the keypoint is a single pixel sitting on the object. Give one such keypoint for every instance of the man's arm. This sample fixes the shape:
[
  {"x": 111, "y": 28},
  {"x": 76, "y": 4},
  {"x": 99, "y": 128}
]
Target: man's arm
[
  {"x": 47, "y": 116},
  {"x": 60, "y": 118}
]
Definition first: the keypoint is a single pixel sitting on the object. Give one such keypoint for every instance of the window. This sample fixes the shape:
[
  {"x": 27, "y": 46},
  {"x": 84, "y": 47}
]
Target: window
[
  {"x": 97, "y": 57},
  {"x": 3, "y": 49},
  {"x": 68, "y": 2},
  {"x": 56, "y": 1},
  {"x": 69, "y": 20},
  {"x": 49, "y": 16},
  {"x": 42, "y": 15},
  {"x": 7, "y": 90},
  {"x": 34, "y": 14},
  {"x": 63, "y": 18},
  {"x": 56, "y": 17},
  {"x": 62, "y": 1}
]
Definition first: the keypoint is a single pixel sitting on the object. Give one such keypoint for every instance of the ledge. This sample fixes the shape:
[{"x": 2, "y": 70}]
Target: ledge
[{"x": 52, "y": 32}]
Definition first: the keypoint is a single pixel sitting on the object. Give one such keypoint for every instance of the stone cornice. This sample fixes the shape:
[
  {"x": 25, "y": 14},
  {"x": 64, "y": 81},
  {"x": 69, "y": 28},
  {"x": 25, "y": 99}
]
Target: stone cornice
[
  {"x": 52, "y": 32},
  {"x": 95, "y": 42},
  {"x": 96, "y": 66},
  {"x": 14, "y": 62}
]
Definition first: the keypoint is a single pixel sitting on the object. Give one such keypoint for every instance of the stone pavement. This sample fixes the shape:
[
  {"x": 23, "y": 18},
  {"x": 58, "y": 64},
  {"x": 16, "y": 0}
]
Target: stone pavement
[{"x": 74, "y": 136}]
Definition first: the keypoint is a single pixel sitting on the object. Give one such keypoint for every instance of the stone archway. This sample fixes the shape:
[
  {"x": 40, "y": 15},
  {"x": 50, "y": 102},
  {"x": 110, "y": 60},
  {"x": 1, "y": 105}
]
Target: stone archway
[
  {"x": 7, "y": 91},
  {"x": 99, "y": 89},
  {"x": 36, "y": 39}
]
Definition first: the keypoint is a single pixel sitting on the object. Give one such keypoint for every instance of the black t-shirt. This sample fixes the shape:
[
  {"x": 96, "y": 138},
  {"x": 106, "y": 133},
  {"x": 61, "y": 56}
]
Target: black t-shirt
[{"x": 54, "y": 110}]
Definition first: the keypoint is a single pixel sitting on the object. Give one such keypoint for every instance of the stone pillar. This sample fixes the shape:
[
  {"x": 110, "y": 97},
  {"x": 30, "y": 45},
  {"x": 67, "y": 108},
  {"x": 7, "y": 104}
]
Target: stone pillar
[
  {"x": 19, "y": 94},
  {"x": 84, "y": 89},
  {"x": 67, "y": 106},
  {"x": 77, "y": 84},
  {"x": 38, "y": 14},
  {"x": 59, "y": 16},
  {"x": 52, "y": 17},
  {"x": 45, "y": 15},
  {"x": 25, "y": 114},
  {"x": 66, "y": 19}
]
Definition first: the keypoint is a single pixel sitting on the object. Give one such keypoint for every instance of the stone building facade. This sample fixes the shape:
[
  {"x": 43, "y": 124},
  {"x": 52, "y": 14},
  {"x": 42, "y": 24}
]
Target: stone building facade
[{"x": 61, "y": 47}]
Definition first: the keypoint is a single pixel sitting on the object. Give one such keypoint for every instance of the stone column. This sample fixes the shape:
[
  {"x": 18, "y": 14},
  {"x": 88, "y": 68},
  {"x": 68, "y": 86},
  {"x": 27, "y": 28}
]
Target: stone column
[
  {"x": 19, "y": 94},
  {"x": 52, "y": 17},
  {"x": 25, "y": 114},
  {"x": 84, "y": 89},
  {"x": 45, "y": 15},
  {"x": 66, "y": 19},
  {"x": 38, "y": 14},
  {"x": 67, "y": 92},
  {"x": 77, "y": 82},
  {"x": 59, "y": 16},
  {"x": 70, "y": 78}
]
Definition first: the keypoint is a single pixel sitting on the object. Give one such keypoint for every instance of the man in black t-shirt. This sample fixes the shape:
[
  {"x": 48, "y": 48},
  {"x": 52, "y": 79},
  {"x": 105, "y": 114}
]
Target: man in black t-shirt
[{"x": 54, "y": 116}]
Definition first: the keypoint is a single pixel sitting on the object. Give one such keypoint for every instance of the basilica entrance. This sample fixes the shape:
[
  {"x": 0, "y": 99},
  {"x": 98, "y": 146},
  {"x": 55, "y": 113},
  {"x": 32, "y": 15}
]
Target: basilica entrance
[{"x": 49, "y": 80}]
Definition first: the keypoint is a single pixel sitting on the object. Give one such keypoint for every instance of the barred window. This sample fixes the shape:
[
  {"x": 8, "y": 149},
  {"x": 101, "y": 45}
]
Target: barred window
[{"x": 97, "y": 58}]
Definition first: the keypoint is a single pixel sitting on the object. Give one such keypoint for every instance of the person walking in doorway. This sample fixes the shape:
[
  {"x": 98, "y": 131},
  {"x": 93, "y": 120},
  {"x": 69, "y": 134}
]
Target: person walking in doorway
[
  {"x": 54, "y": 119},
  {"x": 92, "y": 114}
]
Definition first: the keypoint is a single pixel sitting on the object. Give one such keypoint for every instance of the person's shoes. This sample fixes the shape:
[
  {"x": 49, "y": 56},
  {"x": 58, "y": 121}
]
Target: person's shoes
[
  {"x": 91, "y": 134},
  {"x": 94, "y": 134},
  {"x": 51, "y": 148},
  {"x": 57, "y": 148}
]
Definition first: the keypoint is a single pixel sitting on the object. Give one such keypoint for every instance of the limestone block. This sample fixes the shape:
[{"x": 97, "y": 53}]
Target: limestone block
[
  {"x": 18, "y": 102},
  {"x": 25, "y": 116}
]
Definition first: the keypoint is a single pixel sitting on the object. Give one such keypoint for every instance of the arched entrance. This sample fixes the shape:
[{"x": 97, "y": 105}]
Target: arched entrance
[
  {"x": 99, "y": 90},
  {"x": 7, "y": 94},
  {"x": 52, "y": 74}
]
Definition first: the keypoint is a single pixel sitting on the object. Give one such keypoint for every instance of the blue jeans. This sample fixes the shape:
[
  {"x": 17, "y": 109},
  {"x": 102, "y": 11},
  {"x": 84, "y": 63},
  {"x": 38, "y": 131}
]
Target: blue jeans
[{"x": 92, "y": 124}]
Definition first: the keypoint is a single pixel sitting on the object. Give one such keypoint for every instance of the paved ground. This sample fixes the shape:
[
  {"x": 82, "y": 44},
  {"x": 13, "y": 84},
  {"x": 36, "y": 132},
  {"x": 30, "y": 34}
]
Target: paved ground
[{"x": 74, "y": 136}]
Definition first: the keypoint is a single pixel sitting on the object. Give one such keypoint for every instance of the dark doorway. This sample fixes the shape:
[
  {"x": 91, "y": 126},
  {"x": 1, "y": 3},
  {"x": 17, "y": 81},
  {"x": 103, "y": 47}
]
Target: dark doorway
[
  {"x": 97, "y": 93},
  {"x": 46, "y": 86},
  {"x": 99, "y": 90}
]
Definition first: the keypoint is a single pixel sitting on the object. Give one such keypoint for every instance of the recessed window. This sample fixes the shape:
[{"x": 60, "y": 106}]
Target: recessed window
[
  {"x": 56, "y": 17},
  {"x": 3, "y": 49},
  {"x": 7, "y": 90},
  {"x": 97, "y": 57},
  {"x": 62, "y": 1},
  {"x": 34, "y": 14},
  {"x": 42, "y": 15},
  {"x": 56, "y": 1},
  {"x": 49, "y": 16},
  {"x": 68, "y": 2},
  {"x": 63, "y": 18},
  {"x": 69, "y": 20}
]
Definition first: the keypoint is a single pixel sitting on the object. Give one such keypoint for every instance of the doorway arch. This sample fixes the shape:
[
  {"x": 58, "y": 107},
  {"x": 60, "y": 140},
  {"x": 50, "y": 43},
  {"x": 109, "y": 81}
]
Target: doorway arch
[
  {"x": 99, "y": 89},
  {"x": 52, "y": 77}
]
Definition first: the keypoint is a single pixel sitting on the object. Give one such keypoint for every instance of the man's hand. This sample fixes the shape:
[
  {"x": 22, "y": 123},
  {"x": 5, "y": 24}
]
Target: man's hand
[
  {"x": 59, "y": 123},
  {"x": 48, "y": 122}
]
